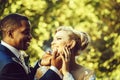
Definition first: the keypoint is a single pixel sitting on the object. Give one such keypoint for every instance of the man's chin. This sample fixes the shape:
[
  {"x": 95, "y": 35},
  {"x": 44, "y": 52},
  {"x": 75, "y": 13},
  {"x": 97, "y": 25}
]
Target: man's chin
[{"x": 25, "y": 48}]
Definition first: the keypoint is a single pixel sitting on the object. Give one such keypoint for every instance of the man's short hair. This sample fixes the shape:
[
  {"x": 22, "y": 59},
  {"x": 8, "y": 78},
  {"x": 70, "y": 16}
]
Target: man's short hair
[{"x": 11, "y": 22}]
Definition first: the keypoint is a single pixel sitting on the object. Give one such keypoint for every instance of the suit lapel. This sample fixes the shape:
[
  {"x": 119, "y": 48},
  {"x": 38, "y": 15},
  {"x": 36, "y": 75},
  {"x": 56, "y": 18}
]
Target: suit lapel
[
  {"x": 19, "y": 62},
  {"x": 13, "y": 57}
]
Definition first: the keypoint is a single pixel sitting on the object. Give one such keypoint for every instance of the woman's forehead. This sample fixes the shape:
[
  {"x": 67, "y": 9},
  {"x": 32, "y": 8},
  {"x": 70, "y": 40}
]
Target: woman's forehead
[{"x": 62, "y": 33}]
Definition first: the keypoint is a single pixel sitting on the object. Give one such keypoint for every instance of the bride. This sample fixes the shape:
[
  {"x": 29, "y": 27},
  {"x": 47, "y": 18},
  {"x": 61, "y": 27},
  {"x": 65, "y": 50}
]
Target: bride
[{"x": 67, "y": 44}]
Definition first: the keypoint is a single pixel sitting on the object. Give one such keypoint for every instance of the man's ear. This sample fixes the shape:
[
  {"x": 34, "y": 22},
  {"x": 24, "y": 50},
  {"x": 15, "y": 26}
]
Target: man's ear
[
  {"x": 72, "y": 44},
  {"x": 10, "y": 33}
]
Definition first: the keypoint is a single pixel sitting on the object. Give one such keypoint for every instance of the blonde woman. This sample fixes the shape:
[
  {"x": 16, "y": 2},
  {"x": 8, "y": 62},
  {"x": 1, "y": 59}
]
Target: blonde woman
[{"x": 67, "y": 43}]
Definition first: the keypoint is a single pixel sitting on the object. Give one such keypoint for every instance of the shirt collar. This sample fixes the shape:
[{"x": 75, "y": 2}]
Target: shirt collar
[{"x": 11, "y": 48}]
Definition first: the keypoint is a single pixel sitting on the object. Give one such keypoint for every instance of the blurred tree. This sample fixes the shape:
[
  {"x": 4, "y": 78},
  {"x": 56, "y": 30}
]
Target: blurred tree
[{"x": 99, "y": 18}]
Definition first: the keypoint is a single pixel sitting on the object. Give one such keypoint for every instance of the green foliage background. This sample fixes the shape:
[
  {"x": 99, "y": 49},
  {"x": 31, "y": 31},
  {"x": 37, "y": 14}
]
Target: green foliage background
[{"x": 99, "y": 18}]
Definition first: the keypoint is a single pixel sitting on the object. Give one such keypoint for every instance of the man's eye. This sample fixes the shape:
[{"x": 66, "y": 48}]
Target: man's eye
[{"x": 26, "y": 32}]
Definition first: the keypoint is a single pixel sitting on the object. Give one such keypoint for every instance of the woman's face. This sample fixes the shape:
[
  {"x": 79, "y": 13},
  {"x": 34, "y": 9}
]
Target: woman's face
[{"x": 61, "y": 39}]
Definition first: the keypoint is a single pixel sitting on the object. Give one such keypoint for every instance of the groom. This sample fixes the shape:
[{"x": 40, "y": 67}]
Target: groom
[{"x": 16, "y": 36}]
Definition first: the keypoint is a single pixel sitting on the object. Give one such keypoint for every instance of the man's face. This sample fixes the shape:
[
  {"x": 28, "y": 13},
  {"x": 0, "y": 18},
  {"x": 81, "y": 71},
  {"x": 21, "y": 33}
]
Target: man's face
[{"x": 22, "y": 36}]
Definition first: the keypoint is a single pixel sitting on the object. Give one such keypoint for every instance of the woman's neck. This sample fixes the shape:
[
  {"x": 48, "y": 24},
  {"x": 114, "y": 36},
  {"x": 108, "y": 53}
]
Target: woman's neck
[{"x": 73, "y": 64}]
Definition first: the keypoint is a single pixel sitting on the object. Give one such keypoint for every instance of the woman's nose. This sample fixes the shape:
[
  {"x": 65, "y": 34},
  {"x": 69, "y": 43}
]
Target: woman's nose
[{"x": 53, "y": 42}]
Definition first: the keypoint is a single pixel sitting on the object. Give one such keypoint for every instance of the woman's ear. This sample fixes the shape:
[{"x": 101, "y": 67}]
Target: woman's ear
[{"x": 72, "y": 44}]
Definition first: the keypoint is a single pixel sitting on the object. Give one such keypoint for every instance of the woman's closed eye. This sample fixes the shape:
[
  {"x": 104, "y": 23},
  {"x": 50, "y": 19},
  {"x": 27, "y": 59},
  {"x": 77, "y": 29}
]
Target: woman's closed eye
[{"x": 58, "y": 38}]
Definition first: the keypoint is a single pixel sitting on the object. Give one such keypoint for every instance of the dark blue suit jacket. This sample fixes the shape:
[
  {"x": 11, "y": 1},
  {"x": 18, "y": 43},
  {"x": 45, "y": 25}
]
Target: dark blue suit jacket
[
  {"x": 11, "y": 68},
  {"x": 50, "y": 75}
]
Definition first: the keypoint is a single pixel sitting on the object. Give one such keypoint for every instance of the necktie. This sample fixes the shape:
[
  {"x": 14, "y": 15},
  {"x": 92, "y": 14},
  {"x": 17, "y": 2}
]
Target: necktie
[{"x": 23, "y": 62}]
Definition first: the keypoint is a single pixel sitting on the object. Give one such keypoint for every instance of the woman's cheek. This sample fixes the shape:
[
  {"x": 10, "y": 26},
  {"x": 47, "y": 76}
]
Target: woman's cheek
[{"x": 60, "y": 50}]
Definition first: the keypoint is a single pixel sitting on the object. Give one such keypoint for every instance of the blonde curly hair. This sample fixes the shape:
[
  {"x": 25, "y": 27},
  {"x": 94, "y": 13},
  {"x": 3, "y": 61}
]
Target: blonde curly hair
[{"x": 82, "y": 39}]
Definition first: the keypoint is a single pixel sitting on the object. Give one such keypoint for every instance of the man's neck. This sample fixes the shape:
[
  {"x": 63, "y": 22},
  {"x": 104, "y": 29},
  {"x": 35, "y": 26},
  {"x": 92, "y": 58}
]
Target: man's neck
[{"x": 11, "y": 48}]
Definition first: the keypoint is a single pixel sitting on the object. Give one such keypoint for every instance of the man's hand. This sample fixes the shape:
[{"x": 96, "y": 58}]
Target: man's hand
[
  {"x": 56, "y": 60},
  {"x": 46, "y": 59}
]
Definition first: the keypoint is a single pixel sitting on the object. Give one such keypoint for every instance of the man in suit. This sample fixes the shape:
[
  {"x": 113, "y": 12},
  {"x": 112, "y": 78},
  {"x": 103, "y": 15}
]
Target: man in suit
[{"x": 16, "y": 36}]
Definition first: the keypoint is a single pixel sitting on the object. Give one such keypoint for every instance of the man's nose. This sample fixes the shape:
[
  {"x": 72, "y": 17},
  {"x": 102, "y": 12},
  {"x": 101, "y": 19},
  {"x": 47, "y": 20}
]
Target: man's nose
[{"x": 30, "y": 36}]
